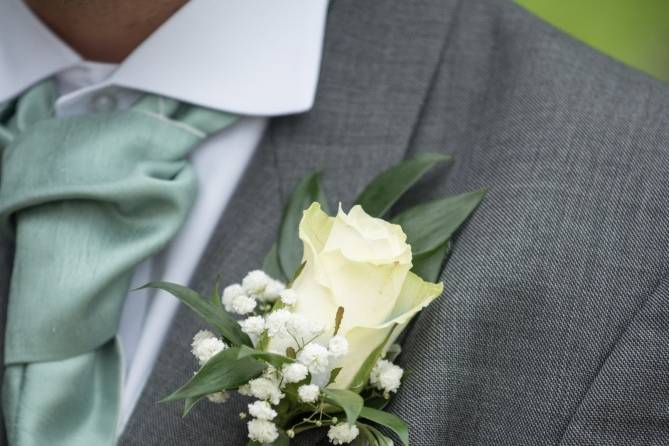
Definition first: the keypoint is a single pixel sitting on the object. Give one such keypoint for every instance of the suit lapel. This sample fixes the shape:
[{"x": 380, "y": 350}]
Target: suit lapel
[
  {"x": 371, "y": 90},
  {"x": 378, "y": 61}
]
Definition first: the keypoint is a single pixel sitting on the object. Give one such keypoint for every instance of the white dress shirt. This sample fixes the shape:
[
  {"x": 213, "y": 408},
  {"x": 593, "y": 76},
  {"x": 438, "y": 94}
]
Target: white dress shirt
[{"x": 254, "y": 58}]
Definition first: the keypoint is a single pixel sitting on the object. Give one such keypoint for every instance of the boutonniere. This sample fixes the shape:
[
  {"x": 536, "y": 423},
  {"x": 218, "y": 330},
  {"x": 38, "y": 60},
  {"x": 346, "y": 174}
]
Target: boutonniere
[{"x": 310, "y": 338}]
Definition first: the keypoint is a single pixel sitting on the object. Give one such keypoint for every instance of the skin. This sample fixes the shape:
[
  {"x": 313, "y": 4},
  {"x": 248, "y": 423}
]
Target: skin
[{"x": 103, "y": 30}]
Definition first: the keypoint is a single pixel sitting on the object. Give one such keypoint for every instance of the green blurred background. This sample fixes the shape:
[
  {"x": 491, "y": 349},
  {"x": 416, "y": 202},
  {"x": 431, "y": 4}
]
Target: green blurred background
[{"x": 635, "y": 32}]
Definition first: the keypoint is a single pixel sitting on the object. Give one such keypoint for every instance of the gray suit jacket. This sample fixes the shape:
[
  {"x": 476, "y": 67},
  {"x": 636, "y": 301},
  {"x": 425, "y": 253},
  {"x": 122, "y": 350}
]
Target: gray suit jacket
[{"x": 554, "y": 326}]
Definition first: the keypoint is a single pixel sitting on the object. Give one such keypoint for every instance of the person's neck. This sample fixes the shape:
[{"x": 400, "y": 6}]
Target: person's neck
[{"x": 104, "y": 30}]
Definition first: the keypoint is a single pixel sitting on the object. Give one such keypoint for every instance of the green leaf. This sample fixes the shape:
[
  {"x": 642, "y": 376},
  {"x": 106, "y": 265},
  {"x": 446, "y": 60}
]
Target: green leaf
[
  {"x": 429, "y": 265},
  {"x": 362, "y": 439},
  {"x": 289, "y": 247},
  {"x": 350, "y": 402},
  {"x": 263, "y": 341},
  {"x": 384, "y": 190},
  {"x": 373, "y": 436},
  {"x": 271, "y": 358},
  {"x": 360, "y": 379},
  {"x": 429, "y": 225},
  {"x": 222, "y": 372},
  {"x": 296, "y": 274},
  {"x": 333, "y": 375},
  {"x": 220, "y": 319},
  {"x": 389, "y": 420},
  {"x": 271, "y": 265},
  {"x": 216, "y": 293},
  {"x": 366, "y": 438},
  {"x": 376, "y": 402},
  {"x": 189, "y": 403}
]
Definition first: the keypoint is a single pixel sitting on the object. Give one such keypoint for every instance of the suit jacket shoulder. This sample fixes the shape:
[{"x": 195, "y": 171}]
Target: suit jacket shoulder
[{"x": 552, "y": 328}]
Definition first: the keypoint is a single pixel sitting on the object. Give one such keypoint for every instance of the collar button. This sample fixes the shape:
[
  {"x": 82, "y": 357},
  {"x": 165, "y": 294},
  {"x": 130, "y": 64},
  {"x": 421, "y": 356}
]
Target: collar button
[{"x": 104, "y": 102}]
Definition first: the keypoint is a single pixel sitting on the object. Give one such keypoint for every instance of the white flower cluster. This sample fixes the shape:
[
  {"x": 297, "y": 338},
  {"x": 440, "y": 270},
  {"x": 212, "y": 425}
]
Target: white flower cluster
[
  {"x": 308, "y": 393},
  {"x": 265, "y": 388},
  {"x": 314, "y": 356},
  {"x": 206, "y": 345},
  {"x": 342, "y": 433},
  {"x": 386, "y": 376},
  {"x": 256, "y": 287},
  {"x": 294, "y": 373},
  {"x": 262, "y": 431},
  {"x": 285, "y": 329},
  {"x": 219, "y": 397},
  {"x": 262, "y": 410},
  {"x": 268, "y": 391}
]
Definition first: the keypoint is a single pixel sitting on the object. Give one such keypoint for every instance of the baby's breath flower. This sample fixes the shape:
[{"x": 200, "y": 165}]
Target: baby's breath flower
[
  {"x": 262, "y": 410},
  {"x": 205, "y": 346},
  {"x": 243, "y": 305},
  {"x": 308, "y": 393},
  {"x": 265, "y": 388},
  {"x": 219, "y": 397},
  {"x": 302, "y": 328},
  {"x": 253, "y": 325},
  {"x": 386, "y": 376},
  {"x": 229, "y": 293},
  {"x": 288, "y": 297},
  {"x": 315, "y": 357},
  {"x": 294, "y": 373},
  {"x": 272, "y": 291},
  {"x": 201, "y": 335},
  {"x": 255, "y": 282},
  {"x": 276, "y": 323},
  {"x": 262, "y": 431},
  {"x": 342, "y": 433},
  {"x": 338, "y": 346},
  {"x": 271, "y": 373},
  {"x": 245, "y": 390}
]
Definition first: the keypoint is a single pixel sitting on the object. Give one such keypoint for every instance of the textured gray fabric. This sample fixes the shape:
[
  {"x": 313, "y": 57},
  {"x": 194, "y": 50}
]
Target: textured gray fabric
[
  {"x": 6, "y": 260},
  {"x": 554, "y": 326}
]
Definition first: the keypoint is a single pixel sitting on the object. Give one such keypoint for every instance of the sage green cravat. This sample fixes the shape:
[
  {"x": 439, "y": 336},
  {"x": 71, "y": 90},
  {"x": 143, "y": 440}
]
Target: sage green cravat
[{"x": 86, "y": 198}]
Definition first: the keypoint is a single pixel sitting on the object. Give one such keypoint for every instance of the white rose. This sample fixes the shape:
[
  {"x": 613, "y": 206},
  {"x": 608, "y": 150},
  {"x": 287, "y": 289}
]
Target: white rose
[{"x": 363, "y": 264}]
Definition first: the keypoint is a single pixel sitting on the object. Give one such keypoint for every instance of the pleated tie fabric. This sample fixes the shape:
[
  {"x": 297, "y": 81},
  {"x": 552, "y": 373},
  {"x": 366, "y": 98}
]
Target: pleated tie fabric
[{"x": 86, "y": 199}]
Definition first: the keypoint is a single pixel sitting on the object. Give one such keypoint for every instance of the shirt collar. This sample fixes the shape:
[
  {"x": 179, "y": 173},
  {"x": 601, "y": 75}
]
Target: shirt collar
[{"x": 254, "y": 57}]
